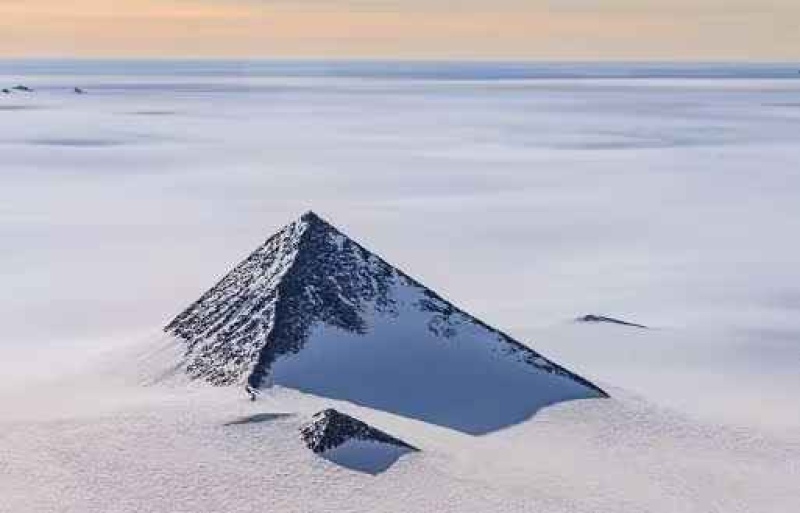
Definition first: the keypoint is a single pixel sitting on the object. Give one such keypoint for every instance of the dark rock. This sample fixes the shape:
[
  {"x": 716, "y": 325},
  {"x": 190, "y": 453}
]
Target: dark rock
[
  {"x": 330, "y": 429},
  {"x": 611, "y": 320}
]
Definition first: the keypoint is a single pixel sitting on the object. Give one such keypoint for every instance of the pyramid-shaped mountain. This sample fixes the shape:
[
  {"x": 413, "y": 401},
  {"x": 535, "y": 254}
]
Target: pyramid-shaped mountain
[{"x": 313, "y": 310}]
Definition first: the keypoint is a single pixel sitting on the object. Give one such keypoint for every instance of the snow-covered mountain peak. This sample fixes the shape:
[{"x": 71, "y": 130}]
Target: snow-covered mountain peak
[
  {"x": 314, "y": 310},
  {"x": 310, "y": 215}
]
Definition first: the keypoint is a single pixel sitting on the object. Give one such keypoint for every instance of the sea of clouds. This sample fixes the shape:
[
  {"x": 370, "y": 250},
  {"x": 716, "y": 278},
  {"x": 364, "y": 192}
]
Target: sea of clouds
[{"x": 669, "y": 201}]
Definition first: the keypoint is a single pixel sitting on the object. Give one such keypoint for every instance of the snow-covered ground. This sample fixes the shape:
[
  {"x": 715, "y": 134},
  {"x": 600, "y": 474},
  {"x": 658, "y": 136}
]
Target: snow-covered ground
[{"x": 668, "y": 202}]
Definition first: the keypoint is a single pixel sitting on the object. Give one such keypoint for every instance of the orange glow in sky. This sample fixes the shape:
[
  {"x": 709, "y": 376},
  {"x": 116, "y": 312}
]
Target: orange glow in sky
[{"x": 483, "y": 29}]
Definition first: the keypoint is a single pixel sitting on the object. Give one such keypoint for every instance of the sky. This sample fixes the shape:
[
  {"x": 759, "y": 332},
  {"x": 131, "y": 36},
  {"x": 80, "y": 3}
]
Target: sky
[{"x": 766, "y": 30}]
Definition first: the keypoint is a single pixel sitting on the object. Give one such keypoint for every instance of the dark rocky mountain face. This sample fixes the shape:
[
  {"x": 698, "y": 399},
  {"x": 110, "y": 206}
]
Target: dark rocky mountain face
[
  {"x": 305, "y": 274},
  {"x": 227, "y": 328},
  {"x": 330, "y": 429},
  {"x": 331, "y": 281}
]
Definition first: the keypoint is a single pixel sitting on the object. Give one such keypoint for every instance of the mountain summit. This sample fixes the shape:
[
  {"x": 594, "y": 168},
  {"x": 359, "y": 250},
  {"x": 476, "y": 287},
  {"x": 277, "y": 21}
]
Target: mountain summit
[{"x": 313, "y": 310}]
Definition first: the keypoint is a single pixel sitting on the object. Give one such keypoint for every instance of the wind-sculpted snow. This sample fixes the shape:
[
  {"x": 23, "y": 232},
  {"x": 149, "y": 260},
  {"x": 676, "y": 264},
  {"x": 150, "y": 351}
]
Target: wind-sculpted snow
[{"x": 313, "y": 310}]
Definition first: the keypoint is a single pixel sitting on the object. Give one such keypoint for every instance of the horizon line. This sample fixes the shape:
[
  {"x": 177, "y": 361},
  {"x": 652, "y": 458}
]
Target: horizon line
[{"x": 410, "y": 60}]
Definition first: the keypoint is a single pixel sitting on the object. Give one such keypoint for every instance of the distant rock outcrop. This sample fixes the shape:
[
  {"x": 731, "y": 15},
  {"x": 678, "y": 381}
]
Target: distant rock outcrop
[{"x": 601, "y": 318}]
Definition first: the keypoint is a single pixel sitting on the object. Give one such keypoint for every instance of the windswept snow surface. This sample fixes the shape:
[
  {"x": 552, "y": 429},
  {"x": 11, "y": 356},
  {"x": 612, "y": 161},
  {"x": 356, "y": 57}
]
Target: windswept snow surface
[
  {"x": 96, "y": 446},
  {"x": 664, "y": 200}
]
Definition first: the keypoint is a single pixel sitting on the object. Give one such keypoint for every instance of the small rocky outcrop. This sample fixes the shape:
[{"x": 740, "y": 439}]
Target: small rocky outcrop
[
  {"x": 591, "y": 318},
  {"x": 330, "y": 429}
]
